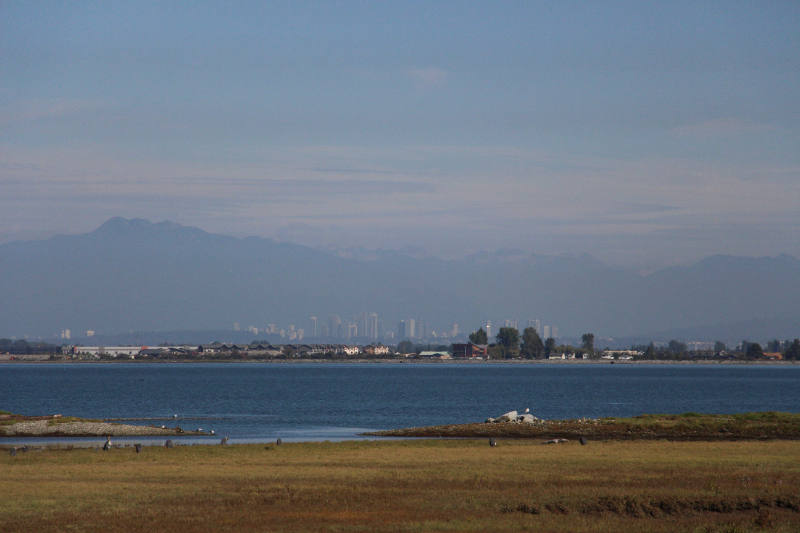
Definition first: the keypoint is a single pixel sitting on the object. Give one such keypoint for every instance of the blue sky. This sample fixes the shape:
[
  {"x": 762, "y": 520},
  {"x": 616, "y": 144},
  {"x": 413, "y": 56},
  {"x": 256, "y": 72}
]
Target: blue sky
[{"x": 646, "y": 134}]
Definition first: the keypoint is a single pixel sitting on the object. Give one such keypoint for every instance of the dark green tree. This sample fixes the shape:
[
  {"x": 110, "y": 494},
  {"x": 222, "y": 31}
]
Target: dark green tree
[
  {"x": 744, "y": 347},
  {"x": 676, "y": 347},
  {"x": 650, "y": 352},
  {"x": 508, "y": 339},
  {"x": 478, "y": 337},
  {"x": 587, "y": 342},
  {"x": 719, "y": 346},
  {"x": 405, "y": 347},
  {"x": 549, "y": 344},
  {"x": 774, "y": 346},
  {"x": 495, "y": 351},
  {"x": 532, "y": 345},
  {"x": 792, "y": 350},
  {"x": 754, "y": 351}
]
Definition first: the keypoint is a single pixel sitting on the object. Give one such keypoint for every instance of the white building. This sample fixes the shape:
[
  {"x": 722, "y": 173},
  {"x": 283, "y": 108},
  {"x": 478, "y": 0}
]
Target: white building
[{"x": 112, "y": 351}]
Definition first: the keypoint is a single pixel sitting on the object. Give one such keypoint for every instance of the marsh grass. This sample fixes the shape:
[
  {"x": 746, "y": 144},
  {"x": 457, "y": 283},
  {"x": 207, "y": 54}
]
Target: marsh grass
[
  {"x": 751, "y": 425},
  {"x": 68, "y": 420},
  {"x": 422, "y": 485},
  {"x": 687, "y": 426}
]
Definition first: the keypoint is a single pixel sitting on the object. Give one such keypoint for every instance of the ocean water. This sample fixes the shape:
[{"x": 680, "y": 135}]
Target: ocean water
[{"x": 329, "y": 401}]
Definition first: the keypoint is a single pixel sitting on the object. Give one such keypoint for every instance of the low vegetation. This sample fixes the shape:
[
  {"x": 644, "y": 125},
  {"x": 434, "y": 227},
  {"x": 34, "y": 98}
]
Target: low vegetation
[
  {"x": 688, "y": 426},
  {"x": 417, "y": 485}
]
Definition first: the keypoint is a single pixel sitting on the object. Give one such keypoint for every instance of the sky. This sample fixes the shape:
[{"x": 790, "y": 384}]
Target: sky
[{"x": 646, "y": 134}]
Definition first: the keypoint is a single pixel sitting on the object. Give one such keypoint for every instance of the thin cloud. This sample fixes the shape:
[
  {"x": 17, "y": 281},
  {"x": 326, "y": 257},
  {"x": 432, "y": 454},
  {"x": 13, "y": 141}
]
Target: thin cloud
[
  {"x": 427, "y": 78},
  {"x": 719, "y": 128}
]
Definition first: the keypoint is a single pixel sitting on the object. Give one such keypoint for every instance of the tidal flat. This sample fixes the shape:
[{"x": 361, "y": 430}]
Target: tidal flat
[{"x": 408, "y": 485}]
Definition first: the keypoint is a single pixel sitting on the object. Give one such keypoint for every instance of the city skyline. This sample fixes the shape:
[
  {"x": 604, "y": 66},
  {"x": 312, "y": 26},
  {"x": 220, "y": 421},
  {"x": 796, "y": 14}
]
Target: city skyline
[{"x": 365, "y": 327}]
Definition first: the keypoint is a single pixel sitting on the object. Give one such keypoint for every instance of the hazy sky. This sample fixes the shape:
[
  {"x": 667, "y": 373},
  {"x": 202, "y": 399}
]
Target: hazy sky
[{"x": 644, "y": 133}]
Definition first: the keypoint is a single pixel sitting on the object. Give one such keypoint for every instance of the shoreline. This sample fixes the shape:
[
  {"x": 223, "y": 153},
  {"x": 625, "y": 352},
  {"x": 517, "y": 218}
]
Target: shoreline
[
  {"x": 56, "y": 427},
  {"x": 765, "y": 426},
  {"x": 6, "y": 361}
]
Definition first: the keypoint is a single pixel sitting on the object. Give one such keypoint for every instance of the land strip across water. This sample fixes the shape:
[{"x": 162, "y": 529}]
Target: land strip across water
[
  {"x": 12, "y": 425},
  {"x": 687, "y": 426}
]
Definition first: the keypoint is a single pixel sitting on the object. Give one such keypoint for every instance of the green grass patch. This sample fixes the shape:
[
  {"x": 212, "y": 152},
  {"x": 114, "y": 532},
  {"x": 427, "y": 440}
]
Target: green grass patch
[{"x": 66, "y": 420}]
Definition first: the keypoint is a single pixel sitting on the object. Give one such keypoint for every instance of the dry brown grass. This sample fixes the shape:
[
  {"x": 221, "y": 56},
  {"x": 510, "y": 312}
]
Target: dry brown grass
[{"x": 408, "y": 486}]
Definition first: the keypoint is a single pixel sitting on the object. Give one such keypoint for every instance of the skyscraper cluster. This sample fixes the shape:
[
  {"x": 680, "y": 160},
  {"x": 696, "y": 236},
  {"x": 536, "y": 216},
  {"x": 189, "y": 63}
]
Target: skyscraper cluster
[
  {"x": 544, "y": 332},
  {"x": 406, "y": 329},
  {"x": 362, "y": 326}
]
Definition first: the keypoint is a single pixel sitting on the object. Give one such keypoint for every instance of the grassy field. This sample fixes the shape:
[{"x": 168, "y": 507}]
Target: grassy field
[{"x": 422, "y": 485}]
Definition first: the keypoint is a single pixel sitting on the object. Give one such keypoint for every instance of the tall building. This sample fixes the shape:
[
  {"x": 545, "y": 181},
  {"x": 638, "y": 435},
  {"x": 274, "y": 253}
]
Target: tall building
[
  {"x": 488, "y": 329},
  {"x": 313, "y": 327},
  {"x": 90, "y": 333},
  {"x": 235, "y": 326},
  {"x": 335, "y": 327},
  {"x": 554, "y": 332},
  {"x": 455, "y": 330},
  {"x": 361, "y": 324},
  {"x": 405, "y": 329},
  {"x": 422, "y": 330},
  {"x": 547, "y": 332},
  {"x": 511, "y": 323},
  {"x": 373, "y": 326},
  {"x": 65, "y": 334}
]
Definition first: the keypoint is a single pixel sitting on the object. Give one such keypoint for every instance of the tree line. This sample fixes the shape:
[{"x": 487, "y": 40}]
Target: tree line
[{"x": 509, "y": 344}]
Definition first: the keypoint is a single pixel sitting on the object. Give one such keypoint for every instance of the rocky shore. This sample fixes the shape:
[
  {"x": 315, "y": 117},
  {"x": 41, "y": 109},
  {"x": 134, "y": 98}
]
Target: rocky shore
[{"x": 56, "y": 426}]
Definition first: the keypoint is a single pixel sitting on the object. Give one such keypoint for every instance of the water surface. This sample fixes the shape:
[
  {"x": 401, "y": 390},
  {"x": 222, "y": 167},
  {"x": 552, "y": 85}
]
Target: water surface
[{"x": 318, "y": 401}]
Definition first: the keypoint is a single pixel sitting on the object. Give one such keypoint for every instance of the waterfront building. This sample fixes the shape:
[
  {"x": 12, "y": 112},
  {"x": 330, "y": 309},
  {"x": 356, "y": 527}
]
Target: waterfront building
[{"x": 470, "y": 350}]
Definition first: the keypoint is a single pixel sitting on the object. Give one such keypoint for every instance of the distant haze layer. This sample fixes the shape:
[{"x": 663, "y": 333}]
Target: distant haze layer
[
  {"x": 647, "y": 134},
  {"x": 131, "y": 275}
]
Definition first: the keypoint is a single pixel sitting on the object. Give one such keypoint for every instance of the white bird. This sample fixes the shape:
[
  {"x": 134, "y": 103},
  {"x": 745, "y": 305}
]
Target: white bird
[
  {"x": 526, "y": 410},
  {"x": 174, "y": 416}
]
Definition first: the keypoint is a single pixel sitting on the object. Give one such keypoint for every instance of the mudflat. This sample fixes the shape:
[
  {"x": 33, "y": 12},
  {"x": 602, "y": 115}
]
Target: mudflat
[
  {"x": 408, "y": 485},
  {"x": 12, "y": 425}
]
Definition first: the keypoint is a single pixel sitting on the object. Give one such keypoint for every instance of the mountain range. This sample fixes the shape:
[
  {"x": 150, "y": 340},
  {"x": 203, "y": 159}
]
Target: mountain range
[{"x": 135, "y": 275}]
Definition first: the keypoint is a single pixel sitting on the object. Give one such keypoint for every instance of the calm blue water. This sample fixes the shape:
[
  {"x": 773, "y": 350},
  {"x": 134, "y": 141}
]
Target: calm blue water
[{"x": 260, "y": 402}]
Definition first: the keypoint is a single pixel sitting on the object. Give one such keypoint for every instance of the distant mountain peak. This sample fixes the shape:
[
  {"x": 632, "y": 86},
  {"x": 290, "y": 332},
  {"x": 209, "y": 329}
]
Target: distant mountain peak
[
  {"x": 119, "y": 225},
  {"x": 113, "y": 225}
]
